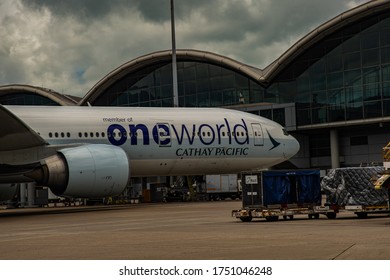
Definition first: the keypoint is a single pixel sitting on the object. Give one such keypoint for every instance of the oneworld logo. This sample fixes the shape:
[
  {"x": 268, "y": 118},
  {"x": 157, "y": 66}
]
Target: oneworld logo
[{"x": 161, "y": 133}]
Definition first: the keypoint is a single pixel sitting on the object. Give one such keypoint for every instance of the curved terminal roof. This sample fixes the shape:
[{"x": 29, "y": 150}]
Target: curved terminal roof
[
  {"x": 56, "y": 97},
  {"x": 347, "y": 18},
  {"x": 263, "y": 77},
  {"x": 166, "y": 57}
]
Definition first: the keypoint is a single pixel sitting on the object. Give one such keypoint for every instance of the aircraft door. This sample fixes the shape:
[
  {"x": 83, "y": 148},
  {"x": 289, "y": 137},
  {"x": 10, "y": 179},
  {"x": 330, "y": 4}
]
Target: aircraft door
[
  {"x": 162, "y": 132},
  {"x": 258, "y": 138}
]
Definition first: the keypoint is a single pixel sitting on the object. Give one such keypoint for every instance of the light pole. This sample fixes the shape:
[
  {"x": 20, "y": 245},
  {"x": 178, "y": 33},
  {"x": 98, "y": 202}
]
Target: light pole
[{"x": 174, "y": 68}]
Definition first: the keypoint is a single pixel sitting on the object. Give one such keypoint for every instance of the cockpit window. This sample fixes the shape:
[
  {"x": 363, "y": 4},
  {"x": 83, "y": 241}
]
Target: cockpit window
[{"x": 285, "y": 132}]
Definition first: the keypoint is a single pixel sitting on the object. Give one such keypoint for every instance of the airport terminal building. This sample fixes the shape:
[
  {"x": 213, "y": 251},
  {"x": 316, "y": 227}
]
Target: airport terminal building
[{"x": 331, "y": 89}]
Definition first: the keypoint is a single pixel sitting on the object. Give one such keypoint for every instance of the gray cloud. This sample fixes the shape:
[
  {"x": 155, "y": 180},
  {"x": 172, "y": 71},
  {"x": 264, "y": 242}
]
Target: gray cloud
[
  {"x": 82, "y": 10},
  {"x": 69, "y": 45}
]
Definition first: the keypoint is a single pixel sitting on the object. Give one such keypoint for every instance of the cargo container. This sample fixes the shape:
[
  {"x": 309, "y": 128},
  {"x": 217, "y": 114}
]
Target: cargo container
[
  {"x": 353, "y": 189},
  {"x": 285, "y": 193}
]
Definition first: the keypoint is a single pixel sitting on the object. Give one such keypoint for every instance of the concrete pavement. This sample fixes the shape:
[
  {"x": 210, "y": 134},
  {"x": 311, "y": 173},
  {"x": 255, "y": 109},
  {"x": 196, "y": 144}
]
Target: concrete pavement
[{"x": 199, "y": 230}]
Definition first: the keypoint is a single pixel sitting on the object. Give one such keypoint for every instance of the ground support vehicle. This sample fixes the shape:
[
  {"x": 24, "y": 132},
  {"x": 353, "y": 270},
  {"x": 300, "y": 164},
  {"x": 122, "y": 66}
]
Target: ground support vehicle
[
  {"x": 352, "y": 189},
  {"x": 274, "y": 194},
  {"x": 220, "y": 187}
]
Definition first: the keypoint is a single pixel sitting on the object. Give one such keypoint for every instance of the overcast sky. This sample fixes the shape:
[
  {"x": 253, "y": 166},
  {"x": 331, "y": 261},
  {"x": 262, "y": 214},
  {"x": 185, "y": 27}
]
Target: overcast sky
[{"x": 70, "y": 45}]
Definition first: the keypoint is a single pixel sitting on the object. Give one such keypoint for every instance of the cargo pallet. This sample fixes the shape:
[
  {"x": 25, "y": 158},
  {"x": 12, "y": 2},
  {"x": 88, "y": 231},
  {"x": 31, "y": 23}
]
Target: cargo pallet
[
  {"x": 274, "y": 212},
  {"x": 361, "y": 211},
  {"x": 356, "y": 189}
]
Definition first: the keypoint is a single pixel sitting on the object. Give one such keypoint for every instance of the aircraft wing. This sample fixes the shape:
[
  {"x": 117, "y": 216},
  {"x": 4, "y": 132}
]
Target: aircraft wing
[{"x": 16, "y": 134}]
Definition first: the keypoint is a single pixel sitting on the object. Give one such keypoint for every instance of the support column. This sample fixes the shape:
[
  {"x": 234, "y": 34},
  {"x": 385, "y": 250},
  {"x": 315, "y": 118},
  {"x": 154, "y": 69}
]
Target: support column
[
  {"x": 30, "y": 194},
  {"x": 23, "y": 194},
  {"x": 334, "y": 148}
]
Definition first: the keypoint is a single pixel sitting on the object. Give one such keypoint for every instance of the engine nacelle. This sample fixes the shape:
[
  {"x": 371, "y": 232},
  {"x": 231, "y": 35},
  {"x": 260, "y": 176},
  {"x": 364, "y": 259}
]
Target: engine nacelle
[
  {"x": 86, "y": 171},
  {"x": 7, "y": 191}
]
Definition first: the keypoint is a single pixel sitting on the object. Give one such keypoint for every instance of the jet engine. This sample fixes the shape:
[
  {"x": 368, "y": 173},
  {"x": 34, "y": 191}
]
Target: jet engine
[
  {"x": 7, "y": 191},
  {"x": 92, "y": 171}
]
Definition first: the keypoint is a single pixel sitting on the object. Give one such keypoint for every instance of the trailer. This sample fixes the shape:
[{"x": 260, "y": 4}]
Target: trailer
[
  {"x": 274, "y": 194},
  {"x": 353, "y": 189},
  {"x": 220, "y": 187}
]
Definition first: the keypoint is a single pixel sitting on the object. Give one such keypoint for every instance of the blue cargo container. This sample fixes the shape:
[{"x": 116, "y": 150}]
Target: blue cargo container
[{"x": 274, "y": 193}]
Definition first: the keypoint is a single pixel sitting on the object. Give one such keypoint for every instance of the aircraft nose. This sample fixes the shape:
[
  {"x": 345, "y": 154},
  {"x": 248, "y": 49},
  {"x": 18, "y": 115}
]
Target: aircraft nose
[{"x": 292, "y": 147}]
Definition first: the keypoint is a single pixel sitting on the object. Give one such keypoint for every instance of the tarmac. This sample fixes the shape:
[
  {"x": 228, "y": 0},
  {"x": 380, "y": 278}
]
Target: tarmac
[{"x": 186, "y": 231}]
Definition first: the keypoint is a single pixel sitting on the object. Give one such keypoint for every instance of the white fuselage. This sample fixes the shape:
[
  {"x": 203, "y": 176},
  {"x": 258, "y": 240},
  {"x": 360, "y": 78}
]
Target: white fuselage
[{"x": 162, "y": 141}]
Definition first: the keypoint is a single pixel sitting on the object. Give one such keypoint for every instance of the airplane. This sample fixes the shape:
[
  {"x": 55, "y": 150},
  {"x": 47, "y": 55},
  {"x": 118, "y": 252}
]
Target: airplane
[{"x": 93, "y": 151}]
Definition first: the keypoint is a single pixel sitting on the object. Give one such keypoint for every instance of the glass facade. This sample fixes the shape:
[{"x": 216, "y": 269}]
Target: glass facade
[
  {"x": 23, "y": 98},
  {"x": 344, "y": 77},
  {"x": 199, "y": 84}
]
